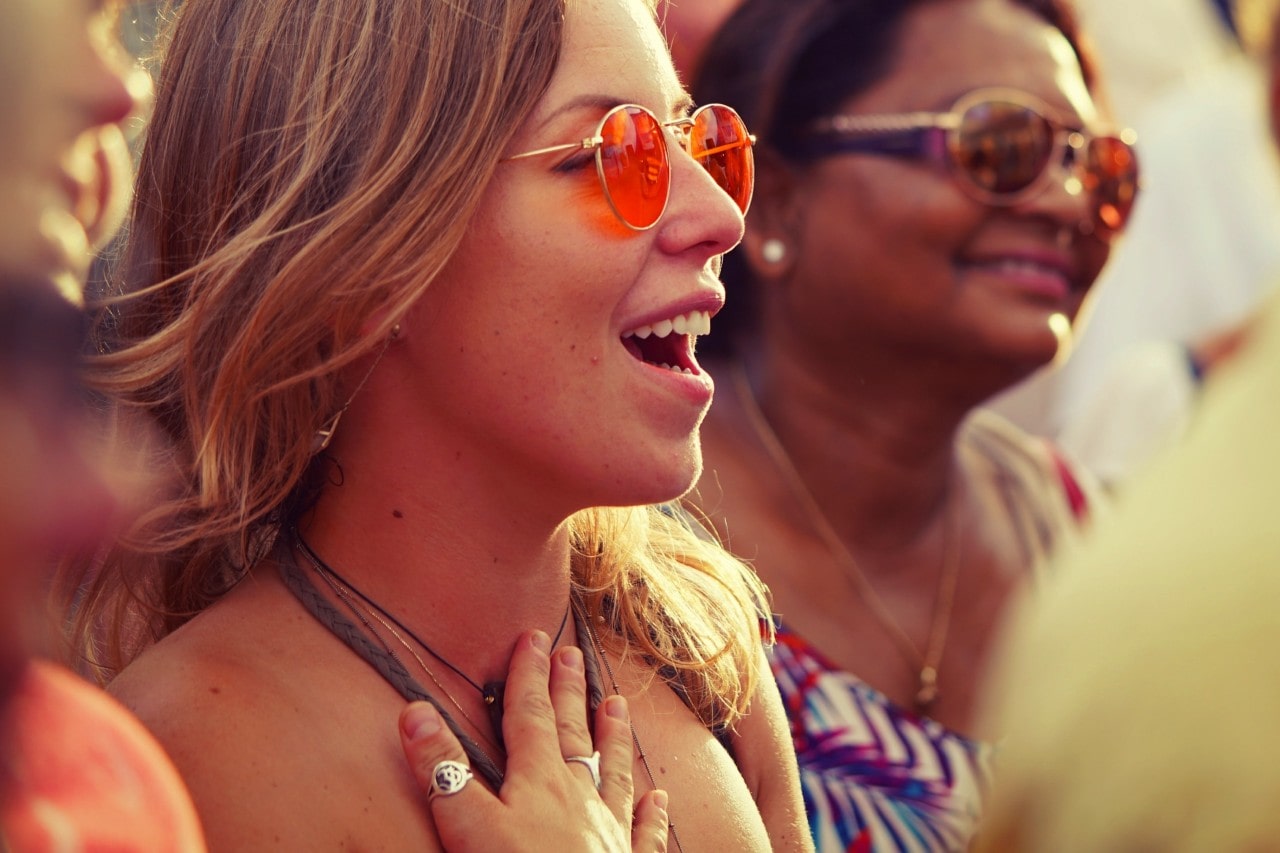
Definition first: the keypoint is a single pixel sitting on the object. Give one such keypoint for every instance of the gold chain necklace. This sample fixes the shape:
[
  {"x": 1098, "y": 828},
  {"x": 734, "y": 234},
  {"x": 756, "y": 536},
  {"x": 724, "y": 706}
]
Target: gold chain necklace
[
  {"x": 354, "y": 608},
  {"x": 598, "y": 649},
  {"x": 491, "y": 691},
  {"x": 925, "y": 664}
]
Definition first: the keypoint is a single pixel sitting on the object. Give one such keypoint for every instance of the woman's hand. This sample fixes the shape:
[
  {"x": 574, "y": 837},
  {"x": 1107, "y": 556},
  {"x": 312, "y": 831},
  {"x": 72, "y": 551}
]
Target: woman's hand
[{"x": 546, "y": 802}]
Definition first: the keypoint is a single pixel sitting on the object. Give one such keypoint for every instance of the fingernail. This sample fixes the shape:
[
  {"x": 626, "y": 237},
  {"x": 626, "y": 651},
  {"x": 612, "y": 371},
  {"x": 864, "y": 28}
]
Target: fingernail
[
  {"x": 616, "y": 707},
  {"x": 572, "y": 658},
  {"x": 541, "y": 642},
  {"x": 420, "y": 720},
  {"x": 660, "y": 799}
]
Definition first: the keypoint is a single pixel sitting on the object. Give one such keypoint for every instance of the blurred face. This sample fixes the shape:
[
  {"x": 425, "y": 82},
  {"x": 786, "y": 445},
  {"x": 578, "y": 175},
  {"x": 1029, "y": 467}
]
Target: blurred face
[
  {"x": 558, "y": 344},
  {"x": 63, "y": 160},
  {"x": 61, "y": 79},
  {"x": 898, "y": 261}
]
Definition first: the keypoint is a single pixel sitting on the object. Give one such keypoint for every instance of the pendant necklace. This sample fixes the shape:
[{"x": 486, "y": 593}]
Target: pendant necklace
[
  {"x": 356, "y": 609},
  {"x": 490, "y": 692},
  {"x": 924, "y": 664}
]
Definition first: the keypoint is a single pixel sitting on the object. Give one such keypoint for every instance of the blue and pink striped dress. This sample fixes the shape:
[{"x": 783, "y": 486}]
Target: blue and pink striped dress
[{"x": 877, "y": 777}]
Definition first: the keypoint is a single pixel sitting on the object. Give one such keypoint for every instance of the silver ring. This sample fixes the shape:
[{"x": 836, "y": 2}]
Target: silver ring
[
  {"x": 591, "y": 762},
  {"x": 448, "y": 778}
]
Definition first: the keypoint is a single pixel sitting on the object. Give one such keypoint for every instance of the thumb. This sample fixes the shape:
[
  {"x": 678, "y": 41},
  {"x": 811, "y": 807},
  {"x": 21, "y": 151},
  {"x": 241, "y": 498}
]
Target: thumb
[{"x": 649, "y": 830}]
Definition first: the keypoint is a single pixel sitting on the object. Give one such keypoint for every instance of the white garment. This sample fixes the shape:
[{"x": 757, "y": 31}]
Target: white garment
[
  {"x": 1199, "y": 256},
  {"x": 1146, "y": 47}
]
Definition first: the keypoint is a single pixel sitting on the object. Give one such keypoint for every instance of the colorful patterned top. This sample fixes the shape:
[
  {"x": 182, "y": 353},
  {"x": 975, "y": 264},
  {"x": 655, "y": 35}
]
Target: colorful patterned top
[
  {"x": 877, "y": 777},
  {"x": 874, "y": 776}
]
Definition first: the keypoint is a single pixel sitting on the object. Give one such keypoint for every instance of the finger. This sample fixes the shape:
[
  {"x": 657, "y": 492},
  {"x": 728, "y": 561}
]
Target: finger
[
  {"x": 650, "y": 830},
  {"x": 617, "y": 757},
  {"x": 529, "y": 721},
  {"x": 569, "y": 699},
  {"x": 427, "y": 742}
]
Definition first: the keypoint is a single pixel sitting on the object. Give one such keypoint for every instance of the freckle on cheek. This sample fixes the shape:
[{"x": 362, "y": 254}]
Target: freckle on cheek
[{"x": 397, "y": 513}]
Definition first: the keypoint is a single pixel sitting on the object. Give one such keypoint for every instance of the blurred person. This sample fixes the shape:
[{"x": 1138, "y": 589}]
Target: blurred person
[
  {"x": 412, "y": 289},
  {"x": 78, "y": 772},
  {"x": 1157, "y": 319},
  {"x": 938, "y": 190},
  {"x": 1139, "y": 689}
]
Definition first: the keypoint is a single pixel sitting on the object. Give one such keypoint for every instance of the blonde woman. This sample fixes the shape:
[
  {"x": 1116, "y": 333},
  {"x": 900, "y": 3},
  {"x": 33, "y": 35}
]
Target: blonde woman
[{"x": 407, "y": 333}]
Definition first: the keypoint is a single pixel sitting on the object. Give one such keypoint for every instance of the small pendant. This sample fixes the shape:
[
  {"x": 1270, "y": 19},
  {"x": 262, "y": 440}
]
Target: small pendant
[
  {"x": 928, "y": 692},
  {"x": 492, "y": 695}
]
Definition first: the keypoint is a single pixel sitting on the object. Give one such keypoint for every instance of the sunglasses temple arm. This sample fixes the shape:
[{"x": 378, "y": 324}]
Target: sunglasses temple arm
[{"x": 586, "y": 144}]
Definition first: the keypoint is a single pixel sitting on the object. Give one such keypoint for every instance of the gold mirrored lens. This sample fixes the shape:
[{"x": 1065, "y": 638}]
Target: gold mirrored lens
[
  {"x": 1111, "y": 177},
  {"x": 1002, "y": 147}
]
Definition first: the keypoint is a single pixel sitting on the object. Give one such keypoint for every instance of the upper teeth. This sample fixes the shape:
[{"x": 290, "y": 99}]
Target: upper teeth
[
  {"x": 1020, "y": 264},
  {"x": 693, "y": 323}
]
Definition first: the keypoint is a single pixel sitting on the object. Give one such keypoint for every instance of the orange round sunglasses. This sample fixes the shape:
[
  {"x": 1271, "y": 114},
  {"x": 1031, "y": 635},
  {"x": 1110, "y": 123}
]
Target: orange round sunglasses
[{"x": 634, "y": 167}]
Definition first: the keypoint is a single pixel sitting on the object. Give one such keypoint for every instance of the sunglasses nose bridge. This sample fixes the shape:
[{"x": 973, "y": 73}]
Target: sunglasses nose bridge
[
  {"x": 1068, "y": 166},
  {"x": 682, "y": 130}
]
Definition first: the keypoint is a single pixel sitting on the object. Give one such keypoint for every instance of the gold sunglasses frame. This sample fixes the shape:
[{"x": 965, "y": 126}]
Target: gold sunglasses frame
[{"x": 682, "y": 126}]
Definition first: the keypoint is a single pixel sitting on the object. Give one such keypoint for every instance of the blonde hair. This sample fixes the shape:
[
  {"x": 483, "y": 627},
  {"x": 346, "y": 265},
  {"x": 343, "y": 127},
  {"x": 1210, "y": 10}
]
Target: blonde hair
[
  {"x": 309, "y": 169},
  {"x": 1256, "y": 21}
]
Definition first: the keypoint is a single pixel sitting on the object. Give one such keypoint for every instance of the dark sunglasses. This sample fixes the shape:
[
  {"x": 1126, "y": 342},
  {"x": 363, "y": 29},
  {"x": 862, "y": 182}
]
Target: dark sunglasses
[
  {"x": 634, "y": 167},
  {"x": 1000, "y": 146}
]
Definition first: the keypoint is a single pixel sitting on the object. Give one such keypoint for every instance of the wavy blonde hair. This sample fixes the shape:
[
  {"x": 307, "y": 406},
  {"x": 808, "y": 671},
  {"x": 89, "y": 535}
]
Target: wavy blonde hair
[
  {"x": 308, "y": 171},
  {"x": 1256, "y": 20}
]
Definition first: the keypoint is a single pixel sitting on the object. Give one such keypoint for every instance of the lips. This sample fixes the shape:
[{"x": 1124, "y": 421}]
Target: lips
[
  {"x": 1045, "y": 274},
  {"x": 669, "y": 343}
]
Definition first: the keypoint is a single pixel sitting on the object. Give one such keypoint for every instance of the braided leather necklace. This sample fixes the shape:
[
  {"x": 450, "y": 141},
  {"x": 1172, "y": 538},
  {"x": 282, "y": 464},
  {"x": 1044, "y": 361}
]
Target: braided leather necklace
[
  {"x": 490, "y": 692},
  {"x": 354, "y": 606}
]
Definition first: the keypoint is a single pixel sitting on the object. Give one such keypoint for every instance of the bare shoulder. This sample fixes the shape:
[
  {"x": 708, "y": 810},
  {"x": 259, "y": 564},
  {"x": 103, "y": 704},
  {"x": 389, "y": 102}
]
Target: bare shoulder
[
  {"x": 765, "y": 756},
  {"x": 255, "y": 705}
]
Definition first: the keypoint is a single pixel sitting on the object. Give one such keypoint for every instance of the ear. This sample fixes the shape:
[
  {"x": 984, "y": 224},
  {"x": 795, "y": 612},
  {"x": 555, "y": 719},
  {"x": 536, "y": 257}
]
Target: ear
[
  {"x": 771, "y": 245},
  {"x": 381, "y": 324}
]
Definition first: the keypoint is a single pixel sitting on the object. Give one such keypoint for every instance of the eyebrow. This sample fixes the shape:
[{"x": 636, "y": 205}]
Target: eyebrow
[{"x": 604, "y": 103}]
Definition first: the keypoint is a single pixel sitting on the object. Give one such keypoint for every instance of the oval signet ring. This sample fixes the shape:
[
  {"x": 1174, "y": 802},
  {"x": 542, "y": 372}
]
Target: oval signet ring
[
  {"x": 591, "y": 762},
  {"x": 448, "y": 778}
]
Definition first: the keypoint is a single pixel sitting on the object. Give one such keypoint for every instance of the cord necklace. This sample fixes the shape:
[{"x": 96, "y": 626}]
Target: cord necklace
[
  {"x": 598, "y": 649},
  {"x": 490, "y": 692},
  {"x": 924, "y": 664},
  {"x": 354, "y": 607}
]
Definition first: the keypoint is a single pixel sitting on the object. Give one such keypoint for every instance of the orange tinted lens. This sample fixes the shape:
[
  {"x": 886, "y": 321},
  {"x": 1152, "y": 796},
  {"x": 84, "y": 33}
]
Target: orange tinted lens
[
  {"x": 720, "y": 142},
  {"x": 1111, "y": 177},
  {"x": 1002, "y": 147},
  {"x": 634, "y": 166}
]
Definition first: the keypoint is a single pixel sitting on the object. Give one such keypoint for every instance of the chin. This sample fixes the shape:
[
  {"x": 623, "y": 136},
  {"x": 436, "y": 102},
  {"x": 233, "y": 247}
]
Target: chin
[{"x": 662, "y": 482}]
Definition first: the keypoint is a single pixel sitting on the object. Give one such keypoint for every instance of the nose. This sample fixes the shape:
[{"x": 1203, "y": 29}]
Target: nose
[
  {"x": 1063, "y": 197},
  {"x": 109, "y": 86},
  {"x": 701, "y": 217}
]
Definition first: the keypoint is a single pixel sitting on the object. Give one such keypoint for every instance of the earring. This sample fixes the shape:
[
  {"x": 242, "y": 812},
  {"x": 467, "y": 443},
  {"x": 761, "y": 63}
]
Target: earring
[
  {"x": 395, "y": 331},
  {"x": 773, "y": 250},
  {"x": 324, "y": 435}
]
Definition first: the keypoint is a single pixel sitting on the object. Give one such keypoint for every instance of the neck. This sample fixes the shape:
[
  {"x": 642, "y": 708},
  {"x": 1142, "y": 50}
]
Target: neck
[
  {"x": 879, "y": 460},
  {"x": 466, "y": 582}
]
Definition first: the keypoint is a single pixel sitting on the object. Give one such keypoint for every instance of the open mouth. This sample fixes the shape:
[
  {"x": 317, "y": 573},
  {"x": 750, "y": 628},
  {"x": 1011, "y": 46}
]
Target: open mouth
[{"x": 669, "y": 343}]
